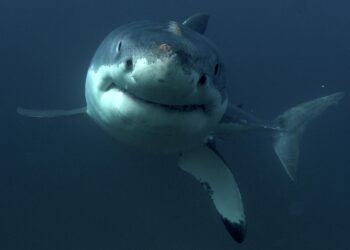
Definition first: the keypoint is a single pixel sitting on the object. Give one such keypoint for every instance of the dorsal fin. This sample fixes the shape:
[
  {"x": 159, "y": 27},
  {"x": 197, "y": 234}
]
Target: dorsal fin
[{"x": 197, "y": 22}]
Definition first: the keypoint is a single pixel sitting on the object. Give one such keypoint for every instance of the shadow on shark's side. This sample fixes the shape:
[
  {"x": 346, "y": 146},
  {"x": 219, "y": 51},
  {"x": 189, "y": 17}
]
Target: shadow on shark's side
[{"x": 161, "y": 87}]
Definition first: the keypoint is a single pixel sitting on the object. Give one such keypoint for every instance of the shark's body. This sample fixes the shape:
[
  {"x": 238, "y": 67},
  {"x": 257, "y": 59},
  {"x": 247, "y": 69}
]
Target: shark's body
[{"x": 161, "y": 87}]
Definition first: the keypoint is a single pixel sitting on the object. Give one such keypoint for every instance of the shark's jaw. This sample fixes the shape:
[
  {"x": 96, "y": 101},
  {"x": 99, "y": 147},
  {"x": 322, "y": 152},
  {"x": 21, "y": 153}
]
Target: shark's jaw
[
  {"x": 113, "y": 102},
  {"x": 171, "y": 108}
]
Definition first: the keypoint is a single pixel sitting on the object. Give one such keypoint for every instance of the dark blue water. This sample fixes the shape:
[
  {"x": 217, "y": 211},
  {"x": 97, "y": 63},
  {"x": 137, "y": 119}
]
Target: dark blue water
[{"x": 65, "y": 184}]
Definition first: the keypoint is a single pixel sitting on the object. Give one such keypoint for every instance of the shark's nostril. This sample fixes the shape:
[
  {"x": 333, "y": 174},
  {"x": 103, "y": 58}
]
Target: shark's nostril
[
  {"x": 129, "y": 64},
  {"x": 110, "y": 86},
  {"x": 202, "y": 80}
]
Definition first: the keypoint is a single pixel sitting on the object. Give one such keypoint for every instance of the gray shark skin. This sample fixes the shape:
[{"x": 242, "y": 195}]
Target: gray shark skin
[{"x": 164, "y": 83}]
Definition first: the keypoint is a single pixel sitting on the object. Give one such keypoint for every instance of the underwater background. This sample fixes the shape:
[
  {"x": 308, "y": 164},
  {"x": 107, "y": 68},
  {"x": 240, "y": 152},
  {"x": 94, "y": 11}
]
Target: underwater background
[{"x": 66, "y": 184}]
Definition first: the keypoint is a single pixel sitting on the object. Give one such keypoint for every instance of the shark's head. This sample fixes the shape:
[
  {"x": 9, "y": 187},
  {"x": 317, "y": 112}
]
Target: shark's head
[{"x": 157, "y": 85}]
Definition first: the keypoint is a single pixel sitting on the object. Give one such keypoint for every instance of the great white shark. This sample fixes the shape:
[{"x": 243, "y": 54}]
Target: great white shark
[{"x": 161, "y": 87}]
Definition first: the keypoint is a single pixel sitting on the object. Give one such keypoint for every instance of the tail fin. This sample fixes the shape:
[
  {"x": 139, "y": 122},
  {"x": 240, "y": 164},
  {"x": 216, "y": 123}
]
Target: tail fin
[
  {"x": 292, "y": 123},
  {"x": 50, "y": 113}
]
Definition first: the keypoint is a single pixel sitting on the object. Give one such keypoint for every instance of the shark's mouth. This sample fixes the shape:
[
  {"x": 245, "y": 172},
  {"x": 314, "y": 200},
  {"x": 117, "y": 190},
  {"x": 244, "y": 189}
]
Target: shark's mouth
[{"x": 179, "y": 108}]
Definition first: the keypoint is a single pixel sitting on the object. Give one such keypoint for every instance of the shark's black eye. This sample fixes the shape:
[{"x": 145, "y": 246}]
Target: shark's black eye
[
  {"x": 129, "y": 64},
  {"x": 202, "y": 80},
  {"x": 216, "y": 69}
]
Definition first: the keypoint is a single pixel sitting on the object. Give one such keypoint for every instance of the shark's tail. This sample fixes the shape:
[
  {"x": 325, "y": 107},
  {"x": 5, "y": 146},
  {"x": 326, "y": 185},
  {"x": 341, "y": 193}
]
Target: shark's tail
[{"x": 292, "y": 124}]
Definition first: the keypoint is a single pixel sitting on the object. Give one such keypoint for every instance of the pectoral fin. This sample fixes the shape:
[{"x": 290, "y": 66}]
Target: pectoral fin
[
  {"x": 208, "y": 167},
  {"x": 50, "y": 113}
]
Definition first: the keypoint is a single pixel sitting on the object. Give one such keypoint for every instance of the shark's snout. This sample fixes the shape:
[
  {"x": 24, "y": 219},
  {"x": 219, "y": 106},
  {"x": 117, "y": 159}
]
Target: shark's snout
[{"x": 165, "y": 79}]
